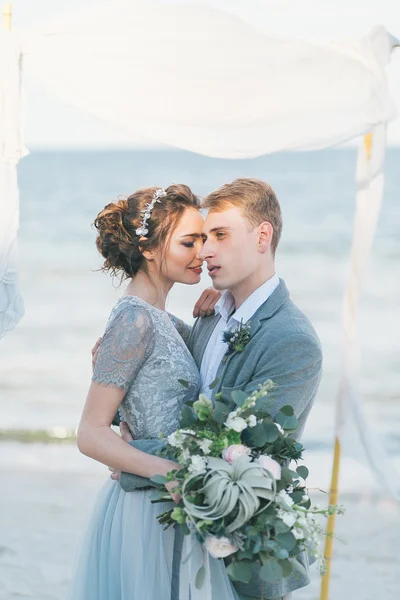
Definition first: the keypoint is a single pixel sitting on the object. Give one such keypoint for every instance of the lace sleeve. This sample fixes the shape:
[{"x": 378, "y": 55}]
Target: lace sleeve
[
  {"x": 126, "y": 345},
  {"x": 182, "y": 328}
]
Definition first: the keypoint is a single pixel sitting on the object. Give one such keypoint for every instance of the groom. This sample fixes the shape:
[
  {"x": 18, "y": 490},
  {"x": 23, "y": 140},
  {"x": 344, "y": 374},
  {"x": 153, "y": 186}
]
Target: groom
[{"x": 241, "y": 235}]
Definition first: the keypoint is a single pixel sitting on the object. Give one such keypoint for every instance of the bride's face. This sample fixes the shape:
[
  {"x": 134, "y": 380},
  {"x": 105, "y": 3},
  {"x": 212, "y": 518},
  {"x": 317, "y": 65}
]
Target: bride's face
[{"x": 180, "y": 263}]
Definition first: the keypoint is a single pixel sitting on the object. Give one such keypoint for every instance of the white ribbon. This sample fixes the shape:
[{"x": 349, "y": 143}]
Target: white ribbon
[{"x": 194, "y": 556}]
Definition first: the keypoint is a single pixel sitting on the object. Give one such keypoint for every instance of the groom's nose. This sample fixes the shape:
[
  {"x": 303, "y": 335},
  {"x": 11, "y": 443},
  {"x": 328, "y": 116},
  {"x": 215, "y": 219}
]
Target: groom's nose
[{"x": 206, "y": 251}]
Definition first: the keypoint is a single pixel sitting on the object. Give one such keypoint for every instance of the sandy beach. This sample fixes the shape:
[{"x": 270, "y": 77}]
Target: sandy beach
[{"x": 48, "y": 492}]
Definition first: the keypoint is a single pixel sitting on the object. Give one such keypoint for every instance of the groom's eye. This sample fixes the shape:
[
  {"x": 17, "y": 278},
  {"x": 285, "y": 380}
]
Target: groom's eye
[{"x": 220, "y": 234}]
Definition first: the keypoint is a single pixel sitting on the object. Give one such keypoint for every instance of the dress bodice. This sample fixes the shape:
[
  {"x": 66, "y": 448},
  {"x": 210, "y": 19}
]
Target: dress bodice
[{"x": 142, "y": 352}]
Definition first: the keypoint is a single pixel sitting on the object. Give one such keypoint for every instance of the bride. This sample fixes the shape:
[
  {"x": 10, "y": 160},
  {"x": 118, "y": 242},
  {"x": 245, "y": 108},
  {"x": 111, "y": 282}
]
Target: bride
[{"x": 153, "y": 238}]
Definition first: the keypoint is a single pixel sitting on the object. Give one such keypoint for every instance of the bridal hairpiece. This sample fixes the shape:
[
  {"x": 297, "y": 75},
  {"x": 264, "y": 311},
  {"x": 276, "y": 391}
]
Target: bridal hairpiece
[{"x": 142, "y": 230}]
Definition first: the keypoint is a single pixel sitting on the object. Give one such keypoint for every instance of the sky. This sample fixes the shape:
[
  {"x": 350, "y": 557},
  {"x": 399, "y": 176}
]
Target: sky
[{"x": 50, "y": 123}]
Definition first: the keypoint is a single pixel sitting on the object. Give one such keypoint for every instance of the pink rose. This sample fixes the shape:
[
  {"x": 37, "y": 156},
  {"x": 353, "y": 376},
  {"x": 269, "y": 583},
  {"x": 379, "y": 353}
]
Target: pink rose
[
  {"x": 270, "y": 465},
  {"x": 219, "y": 547},
  {"x": 234, "y": 451}
]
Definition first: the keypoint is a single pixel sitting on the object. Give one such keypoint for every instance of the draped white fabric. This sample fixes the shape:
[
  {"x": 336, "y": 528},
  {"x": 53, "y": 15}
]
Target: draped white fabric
[
  {"x": 11, "y": 150},
  {"x": 370, "y": 182},
  {"x": 200, "y": 79}
]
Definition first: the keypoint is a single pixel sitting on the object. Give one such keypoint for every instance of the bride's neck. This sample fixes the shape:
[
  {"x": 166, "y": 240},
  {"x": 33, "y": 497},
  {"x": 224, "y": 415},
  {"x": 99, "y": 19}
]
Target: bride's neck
[{"x": 153, "y": 290}]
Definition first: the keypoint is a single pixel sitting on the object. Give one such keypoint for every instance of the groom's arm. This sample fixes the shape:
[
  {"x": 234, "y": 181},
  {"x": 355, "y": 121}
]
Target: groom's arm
[{"x": 294, "y": 363}]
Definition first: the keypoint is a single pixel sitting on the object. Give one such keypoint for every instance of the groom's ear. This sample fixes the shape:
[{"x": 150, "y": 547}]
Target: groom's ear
[{"x": 265, "y": 233}]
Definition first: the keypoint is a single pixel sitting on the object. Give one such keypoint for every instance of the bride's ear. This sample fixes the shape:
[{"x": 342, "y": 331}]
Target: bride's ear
[{"x": 148, "y": 254}]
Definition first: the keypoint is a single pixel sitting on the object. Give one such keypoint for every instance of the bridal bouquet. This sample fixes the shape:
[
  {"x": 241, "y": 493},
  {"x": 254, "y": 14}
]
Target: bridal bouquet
[{"x": 238, "y": 495}]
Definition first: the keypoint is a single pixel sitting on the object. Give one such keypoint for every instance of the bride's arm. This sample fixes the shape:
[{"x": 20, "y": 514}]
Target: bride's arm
[
  {"x": 122, "y": 353},
  {"x": 98, "y": 441}
]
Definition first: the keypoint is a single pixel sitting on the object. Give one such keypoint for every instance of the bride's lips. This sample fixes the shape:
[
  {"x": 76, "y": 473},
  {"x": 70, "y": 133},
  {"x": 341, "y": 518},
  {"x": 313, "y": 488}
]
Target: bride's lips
[{"x": 197, "y": 270}]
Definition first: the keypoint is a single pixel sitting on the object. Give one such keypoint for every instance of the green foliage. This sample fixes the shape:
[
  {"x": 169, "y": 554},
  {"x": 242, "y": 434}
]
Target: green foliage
[
  {"x": 239, "y": 397},
  {"x": 188, "y": 417},
  {"x": 200, "y": 578},
  {"x": 271, "y": 571},
  {"x": 240, "y": 570},
  {"x": 303, "y": 472}
]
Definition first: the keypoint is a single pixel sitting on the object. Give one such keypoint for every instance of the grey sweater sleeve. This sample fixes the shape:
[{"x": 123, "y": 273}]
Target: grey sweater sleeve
[{"x": 131, "y": 482}]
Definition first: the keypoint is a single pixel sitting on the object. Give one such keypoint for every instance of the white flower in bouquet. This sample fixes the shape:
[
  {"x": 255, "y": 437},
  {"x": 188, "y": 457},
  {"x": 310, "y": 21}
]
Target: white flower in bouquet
[
  {"x": 198, "y": 465},
  {"x": 270, "y": 465},
  {"x": 252, "y": 421},
  {"x": 234, "y": 422},
  {"x": 285, "y": 499},
  {"x": 185, "y": 454},
  {"x": 288, "y": 518},
  {"x": 234, "y": 451},
  {"x": 302, "y": 522},
  {"x": 219, "y": 547},
  {"x": 175, "y": 439},
  {"x": 205, "y": 446},
  {"x": 298, "y": 533}
]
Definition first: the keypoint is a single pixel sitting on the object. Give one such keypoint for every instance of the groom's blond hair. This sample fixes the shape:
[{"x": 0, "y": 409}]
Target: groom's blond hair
[{"x": 255, "y": 198}]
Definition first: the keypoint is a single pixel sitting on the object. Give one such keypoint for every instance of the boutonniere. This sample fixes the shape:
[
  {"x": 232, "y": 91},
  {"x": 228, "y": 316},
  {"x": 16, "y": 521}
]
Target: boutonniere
[{"x": 237, "y": 339}]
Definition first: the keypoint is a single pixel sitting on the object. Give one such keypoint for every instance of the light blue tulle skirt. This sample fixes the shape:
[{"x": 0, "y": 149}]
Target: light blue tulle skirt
[{"x": 125, "y": 554}]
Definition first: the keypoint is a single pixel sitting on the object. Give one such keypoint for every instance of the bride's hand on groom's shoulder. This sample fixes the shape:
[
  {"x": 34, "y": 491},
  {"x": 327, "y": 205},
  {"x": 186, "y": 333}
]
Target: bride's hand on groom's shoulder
[{"x": 204, "y": 306}]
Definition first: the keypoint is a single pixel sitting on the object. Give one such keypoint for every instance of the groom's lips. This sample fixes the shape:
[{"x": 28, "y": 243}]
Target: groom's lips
[{"x": 213, "y": 269}]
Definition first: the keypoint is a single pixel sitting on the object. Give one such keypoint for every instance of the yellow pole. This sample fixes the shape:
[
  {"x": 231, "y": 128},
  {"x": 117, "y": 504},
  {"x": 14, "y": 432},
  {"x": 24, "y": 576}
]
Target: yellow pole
[
  {"x": 334, "y": 489},
  {"x": 7, "y": 14}
]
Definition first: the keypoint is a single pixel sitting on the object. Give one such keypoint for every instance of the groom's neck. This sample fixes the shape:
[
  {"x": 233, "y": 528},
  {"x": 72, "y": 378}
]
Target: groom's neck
[{"x": 246, "y": 287}]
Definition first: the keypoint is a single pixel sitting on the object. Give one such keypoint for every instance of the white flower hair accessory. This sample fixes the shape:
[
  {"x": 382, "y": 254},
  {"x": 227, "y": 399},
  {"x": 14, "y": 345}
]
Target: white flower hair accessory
[{"x": 160, "y": 193}]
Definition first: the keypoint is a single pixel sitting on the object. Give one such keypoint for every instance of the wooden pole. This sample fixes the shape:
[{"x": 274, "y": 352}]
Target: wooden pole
[
  {"x": 7, "y": 16},
  {"x": 334, "y": 489}
]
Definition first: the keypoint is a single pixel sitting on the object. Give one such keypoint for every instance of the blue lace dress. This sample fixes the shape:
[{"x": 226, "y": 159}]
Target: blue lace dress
[{"x": 124, "y": 553}]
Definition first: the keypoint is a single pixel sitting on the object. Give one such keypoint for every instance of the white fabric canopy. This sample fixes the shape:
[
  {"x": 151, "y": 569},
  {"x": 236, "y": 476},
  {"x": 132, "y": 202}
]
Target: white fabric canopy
[{"x": 200, "y": 79}]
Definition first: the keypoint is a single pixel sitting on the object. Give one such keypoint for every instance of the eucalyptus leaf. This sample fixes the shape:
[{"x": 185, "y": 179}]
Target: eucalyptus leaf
[
  {"x": 302, "y": 471},
  {"x": 287, "y": 410},
  {"x": 220, "y": 411},
  {"x": 271, "y": 571},
  {"x": 188, "y": 417},
  {"x": 280, "y": 527},
  {"x": 239, "y": 397},
  {"x": 214, "y": 384},
  {"x": 286, "y": 540},
  {"x": 184, "y": 383},
  {"x": 297, "y": 566},
  {"x": 282, "y": 554},
  {"x": 200, "y": 578},
  {"x": 296, "y": 496},
  {"x": 257, "y": 436},
  {"x": 286, "y": 567},
  {"x": 287, "y": 423},
  {"x": 159, "y": 479},
  {"x": 271, "y": 431},
  {"x": 241, "y": 570}
]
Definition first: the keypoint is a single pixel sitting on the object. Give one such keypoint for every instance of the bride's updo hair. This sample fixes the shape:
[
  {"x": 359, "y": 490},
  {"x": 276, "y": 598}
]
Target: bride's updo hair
[{"x": 117, "y": 240}]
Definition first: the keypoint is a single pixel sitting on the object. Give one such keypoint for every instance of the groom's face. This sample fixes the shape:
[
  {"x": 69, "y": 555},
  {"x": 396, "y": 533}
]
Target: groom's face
[{"x": 230, "y": 248}]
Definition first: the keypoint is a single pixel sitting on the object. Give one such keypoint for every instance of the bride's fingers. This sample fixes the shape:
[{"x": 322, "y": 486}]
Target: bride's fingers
[
  {"x": 96, "y": 346},
  {"x": 205, "y": 304},
  {"x": 199, "y": 304},
  {"x": 125, "y": 432}
]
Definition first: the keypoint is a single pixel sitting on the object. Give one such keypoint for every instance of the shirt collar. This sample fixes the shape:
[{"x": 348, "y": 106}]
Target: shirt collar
[{"x": 226, "y": 303}]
